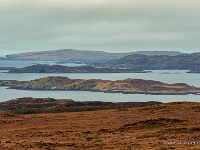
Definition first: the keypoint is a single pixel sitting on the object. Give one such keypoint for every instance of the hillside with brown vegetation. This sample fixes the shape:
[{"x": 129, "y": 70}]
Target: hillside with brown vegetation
[
  {"x": 161, "y": 127},
  {"x": 29, "y": 105}
]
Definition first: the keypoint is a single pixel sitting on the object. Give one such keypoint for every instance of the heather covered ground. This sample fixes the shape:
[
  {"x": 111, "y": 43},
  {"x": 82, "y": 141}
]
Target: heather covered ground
[{"x": 143, "y": 128}]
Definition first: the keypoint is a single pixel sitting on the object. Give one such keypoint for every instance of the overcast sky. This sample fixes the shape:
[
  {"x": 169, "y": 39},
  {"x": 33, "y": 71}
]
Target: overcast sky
[{"x": 109, "y": 25}]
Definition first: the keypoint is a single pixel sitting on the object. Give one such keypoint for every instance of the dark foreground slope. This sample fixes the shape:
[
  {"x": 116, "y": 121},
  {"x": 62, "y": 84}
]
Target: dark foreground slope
[
  {"x": 29, "y": 105},
  {"x": 162, "y": 127}
]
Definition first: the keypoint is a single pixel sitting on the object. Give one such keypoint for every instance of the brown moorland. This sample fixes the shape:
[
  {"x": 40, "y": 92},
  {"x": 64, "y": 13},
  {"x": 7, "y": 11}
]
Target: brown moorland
[{"x": 143, "y": 128}]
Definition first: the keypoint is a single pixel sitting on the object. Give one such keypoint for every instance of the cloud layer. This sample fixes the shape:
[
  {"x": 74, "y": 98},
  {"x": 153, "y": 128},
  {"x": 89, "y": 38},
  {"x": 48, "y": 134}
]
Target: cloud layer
[{"x": 110, "y": 25}]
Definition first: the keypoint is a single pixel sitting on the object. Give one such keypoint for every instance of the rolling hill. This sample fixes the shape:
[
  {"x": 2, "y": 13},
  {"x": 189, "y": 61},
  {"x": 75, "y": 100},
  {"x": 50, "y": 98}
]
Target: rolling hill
[
  {"x": 84, "y": 56},
  {"x": 156, "y": 62}
]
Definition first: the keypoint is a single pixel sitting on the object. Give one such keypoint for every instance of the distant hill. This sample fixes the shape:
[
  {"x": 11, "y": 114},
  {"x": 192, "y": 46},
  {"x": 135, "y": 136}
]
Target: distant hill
[
  {"x": 151, "y": 62},
  {"x": 159, "y": 53},
  {"x": 84, "y": 56},
  {"x": 68, "y": 55}
]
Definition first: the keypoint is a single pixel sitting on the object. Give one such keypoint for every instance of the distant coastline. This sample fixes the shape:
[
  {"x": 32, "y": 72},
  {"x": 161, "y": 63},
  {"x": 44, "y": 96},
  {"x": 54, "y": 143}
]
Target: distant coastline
[{"x": 44, "y": 68}]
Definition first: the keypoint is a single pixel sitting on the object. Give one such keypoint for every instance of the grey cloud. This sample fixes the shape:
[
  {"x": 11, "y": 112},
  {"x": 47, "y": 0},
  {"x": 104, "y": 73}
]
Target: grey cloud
[{"x": 110, "y": 25}]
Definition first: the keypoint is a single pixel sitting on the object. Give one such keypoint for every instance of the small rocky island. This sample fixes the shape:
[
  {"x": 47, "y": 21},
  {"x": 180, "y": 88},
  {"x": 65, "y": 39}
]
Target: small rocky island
[
  {"x": 126, "y": 86},
  {"x": 44, "y": 68},
  {"x": 194, "y": 70}
]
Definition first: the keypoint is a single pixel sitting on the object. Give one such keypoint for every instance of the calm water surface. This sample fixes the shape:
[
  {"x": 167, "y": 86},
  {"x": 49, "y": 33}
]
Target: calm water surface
[
  {"x": 168, "y": 76},
  {"x": 8, "y": 94}
]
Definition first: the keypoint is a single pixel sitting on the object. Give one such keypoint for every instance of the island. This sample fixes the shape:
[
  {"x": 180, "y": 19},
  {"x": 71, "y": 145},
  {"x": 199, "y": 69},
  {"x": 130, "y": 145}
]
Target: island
[
  {"x": 194, "y": 70},
  {"x": 126, "y": 86},
  {"x": 44, "y": 68}
]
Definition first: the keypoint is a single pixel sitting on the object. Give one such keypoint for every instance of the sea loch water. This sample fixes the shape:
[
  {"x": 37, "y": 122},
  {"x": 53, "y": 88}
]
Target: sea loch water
[{"x": 168, "y": 76}]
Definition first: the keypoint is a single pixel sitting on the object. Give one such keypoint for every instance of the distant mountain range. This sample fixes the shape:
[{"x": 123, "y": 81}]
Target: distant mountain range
[
  {"x": 84, "y": 56},
  {"x": 156, "y": 62}
]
